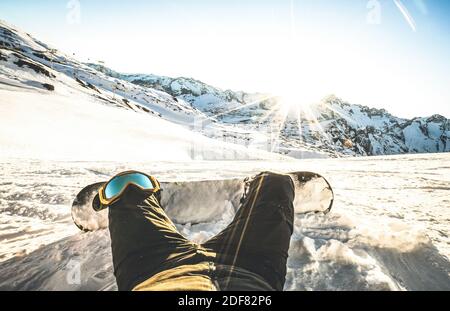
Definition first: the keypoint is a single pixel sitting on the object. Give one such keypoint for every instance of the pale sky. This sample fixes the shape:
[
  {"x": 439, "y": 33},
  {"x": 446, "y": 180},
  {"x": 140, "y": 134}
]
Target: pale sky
[{"x": 391, "y": 54}]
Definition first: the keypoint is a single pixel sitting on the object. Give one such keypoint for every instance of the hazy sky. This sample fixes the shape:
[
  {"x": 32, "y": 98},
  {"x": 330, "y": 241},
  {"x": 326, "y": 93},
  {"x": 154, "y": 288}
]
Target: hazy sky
[{"x": 392, "y": 54}]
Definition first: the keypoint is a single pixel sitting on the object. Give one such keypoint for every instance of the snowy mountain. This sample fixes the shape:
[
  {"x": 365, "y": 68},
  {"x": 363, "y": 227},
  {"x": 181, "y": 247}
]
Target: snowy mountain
[
  {"x": 332, "y": 126},
  {"x": 202, "y": 96},
  {"x": 253, "y": 121}
]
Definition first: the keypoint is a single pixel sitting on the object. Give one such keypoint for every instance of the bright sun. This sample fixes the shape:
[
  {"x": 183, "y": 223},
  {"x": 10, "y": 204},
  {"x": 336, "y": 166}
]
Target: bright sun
[
  {"x": 298, "y": 82},
  {"x": 299, "y": 98},
  {"x": 299, "y": 88}
]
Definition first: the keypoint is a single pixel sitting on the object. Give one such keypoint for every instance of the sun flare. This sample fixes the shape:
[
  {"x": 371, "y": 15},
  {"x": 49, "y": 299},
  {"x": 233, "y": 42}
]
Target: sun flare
[{"x": 297, "y": 98}]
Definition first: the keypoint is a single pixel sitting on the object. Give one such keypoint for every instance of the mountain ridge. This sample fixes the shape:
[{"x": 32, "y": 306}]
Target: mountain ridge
[
  {"x": 357, "y": 139},
  {"x": 331, "y": 127}
]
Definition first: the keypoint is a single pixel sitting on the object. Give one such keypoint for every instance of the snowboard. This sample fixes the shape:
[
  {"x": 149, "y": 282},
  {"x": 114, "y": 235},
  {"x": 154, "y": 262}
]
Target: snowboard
[{"x": 207, "y": 200}]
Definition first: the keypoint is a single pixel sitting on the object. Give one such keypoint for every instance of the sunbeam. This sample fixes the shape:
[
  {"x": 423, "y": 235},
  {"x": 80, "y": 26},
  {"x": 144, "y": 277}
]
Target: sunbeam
[
  {"x": 281, "y": 121},
  {"x": 310, "y": 115},
  {"x": 328, "y": 106},
  {"x": 243, "y": 106},
  {"x": 299, "y": 124},
  {"x": 264, "y": 117}
]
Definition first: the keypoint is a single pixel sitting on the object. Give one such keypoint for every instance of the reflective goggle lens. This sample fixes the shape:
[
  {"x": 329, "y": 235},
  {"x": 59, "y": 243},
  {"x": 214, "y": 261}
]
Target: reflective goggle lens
[{"x": 117, "y": 184}]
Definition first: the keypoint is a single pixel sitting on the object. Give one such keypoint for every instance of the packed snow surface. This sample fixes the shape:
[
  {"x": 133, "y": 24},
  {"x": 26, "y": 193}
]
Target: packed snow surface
[{"x": 388, "y": 229}]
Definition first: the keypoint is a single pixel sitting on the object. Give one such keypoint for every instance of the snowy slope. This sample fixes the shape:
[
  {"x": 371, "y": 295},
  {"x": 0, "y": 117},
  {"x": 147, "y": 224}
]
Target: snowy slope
[
  {"x": 387, "y": 231},
  {"x": 53, "y": 107},
  {"x": 77, "y": 127}
]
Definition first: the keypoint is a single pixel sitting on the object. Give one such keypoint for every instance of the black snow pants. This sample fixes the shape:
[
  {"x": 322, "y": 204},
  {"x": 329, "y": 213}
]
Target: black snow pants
[{"x": 250, "y": 254}]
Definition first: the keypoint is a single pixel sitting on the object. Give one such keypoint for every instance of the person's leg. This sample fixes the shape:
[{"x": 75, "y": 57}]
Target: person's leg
[
  {"x": 144, "y": 240},
  {"x": 259, "y": 236}
]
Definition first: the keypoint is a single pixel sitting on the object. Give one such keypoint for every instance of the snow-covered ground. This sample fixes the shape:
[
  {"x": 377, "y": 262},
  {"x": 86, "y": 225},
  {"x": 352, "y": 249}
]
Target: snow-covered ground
[
  {"x": 73, "y": 126},
  {"x": 388, "y": 229}
]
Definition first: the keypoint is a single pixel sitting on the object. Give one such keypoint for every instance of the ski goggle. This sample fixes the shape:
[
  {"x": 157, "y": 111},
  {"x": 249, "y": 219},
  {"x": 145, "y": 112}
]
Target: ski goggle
[{"x": 110, "y": 192}]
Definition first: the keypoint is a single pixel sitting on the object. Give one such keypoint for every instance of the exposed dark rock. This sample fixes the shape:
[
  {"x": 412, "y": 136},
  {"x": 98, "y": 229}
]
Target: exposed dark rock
[
  {"x": 42, "y": 56},
  {"x": 127, "y": 103},
  {"x": 424, "y": 129},
  {"x": 3, "y": 57},
  {"x": 93, "y": 87},
  {"x": 48, "y": 86},
  {"x": 373, "y": 112},
  {"x": 437, "y": 119},
  {"x": 5, "y": 44},
  {"x": 144, "y": 108},
  {"x": 81, "y": 83},
  {"x": 444, "y": 139},
  {"x": 38, "y": 68},
  {"x": 87, "y": 85}
]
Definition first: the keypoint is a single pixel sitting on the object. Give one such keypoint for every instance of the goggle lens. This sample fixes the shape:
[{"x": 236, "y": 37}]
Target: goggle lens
[{"x": 117, "y": 184}]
